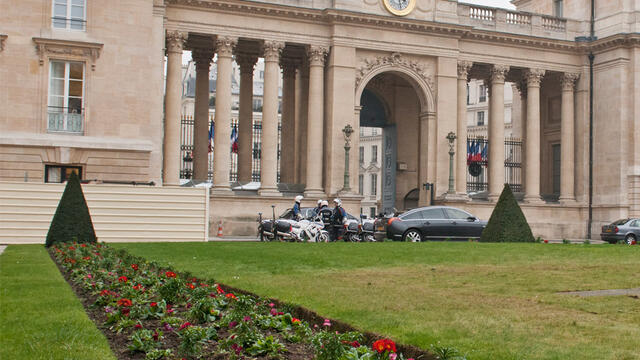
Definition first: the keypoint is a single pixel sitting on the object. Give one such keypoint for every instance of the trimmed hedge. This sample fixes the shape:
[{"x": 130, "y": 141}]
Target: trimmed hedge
[
  {"x": 507, "y": 222},
  {"x": 72, "y": 220}
]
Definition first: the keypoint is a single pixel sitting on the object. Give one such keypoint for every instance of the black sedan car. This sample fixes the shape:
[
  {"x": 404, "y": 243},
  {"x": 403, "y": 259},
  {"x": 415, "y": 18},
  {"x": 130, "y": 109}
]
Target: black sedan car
[
  {"x": 434, "y": 222},
  {"x": 624, "y": 229}
]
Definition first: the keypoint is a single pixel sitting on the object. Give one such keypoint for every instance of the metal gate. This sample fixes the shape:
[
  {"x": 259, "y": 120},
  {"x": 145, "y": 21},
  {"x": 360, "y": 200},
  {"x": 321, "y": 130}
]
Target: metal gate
[
  {"x": 477, "y": 164},
  {"x": 186, "y": 150}
]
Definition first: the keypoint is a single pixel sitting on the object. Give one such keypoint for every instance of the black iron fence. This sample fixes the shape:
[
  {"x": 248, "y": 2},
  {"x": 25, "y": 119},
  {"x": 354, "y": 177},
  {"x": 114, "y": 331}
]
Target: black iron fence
[
  {"x": 186, "y": 150},
  {"x": 478, "y": 160}
]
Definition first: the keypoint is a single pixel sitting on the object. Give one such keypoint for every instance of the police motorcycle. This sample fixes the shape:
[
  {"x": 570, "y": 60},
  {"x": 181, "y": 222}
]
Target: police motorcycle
[
  {"x": 367, "y": 229},
  {"x": 282, "y": 227},
  {"x": 352, "y": 228},
  {"x": 310, "y": 230}
]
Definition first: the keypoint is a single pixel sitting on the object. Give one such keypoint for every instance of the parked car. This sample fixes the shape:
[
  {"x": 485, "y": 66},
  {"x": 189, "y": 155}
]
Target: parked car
[
  {"x": 624, "y": 229},
  {"x": 434, "y": 222}
]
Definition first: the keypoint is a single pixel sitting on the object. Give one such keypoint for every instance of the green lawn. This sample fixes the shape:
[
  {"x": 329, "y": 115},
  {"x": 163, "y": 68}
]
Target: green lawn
[
  {"x": 40, "y": 316},
  {"x": 492, "y": 301}
]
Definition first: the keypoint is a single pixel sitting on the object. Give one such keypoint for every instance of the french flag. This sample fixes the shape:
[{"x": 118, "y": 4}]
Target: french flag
[
  {"x": 234, "y": 139},
  {"x": 470, "y": 147},
  {"x": 211, "y": 137}
]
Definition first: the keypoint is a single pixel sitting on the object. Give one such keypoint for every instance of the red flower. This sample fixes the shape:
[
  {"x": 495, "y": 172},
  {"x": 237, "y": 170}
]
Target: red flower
[
  {"x": 86, "y": 258},
  {"x": 125, "y": 311},
  {"x": 153, "y": 304},
  {"x": 185, "y": 325},
  {"x": 231, "y": 296},
  {"x": 123, "y": 279},
  {"x": 355, "y": 344},
  {"x": 71, "y": 248},
  {"x": 170, "y": 274},
  {"x": 138, "y": 326},
  {"x": 191, "y": 286},
  {"x": 156, "y": 335},
  {"x": 295, "y": 320},
  {"x": 83, "y": 245},
  {"x": 384, "y": 345},
  {"x": 138, "y": 287},
  {"x": 124, "y": 302},
  {"x": 134, "y": 266},
  {"x": 219, "y": 289}
]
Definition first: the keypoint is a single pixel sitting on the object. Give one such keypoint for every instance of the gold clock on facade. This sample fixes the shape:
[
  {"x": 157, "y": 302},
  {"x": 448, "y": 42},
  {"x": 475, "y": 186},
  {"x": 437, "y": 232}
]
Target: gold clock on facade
[{"x": 399, "y": 7}]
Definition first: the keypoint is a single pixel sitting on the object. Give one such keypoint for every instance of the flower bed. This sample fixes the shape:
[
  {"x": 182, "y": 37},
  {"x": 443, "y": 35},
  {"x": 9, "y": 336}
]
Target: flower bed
[{"x": 150, "y": 312}]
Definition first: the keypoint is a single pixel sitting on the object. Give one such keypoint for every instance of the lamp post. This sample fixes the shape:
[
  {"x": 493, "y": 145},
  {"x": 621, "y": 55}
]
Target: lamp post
[
  {"x": 346, "y": 131},
  {"x": 452, "y": 138}
]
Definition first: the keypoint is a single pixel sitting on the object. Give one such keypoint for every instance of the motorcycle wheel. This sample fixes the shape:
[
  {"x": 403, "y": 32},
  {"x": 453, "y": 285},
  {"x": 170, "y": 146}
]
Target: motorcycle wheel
[{"x": 323, "y": 237}]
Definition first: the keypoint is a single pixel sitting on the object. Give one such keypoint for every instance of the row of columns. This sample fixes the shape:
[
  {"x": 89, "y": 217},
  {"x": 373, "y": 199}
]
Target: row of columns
[
  {"x": 299, "y": 94},
  {"x": 530, "y": 90}
]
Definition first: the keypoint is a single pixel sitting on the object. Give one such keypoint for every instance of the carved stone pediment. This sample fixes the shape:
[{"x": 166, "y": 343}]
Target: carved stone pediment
[
  {"x": 3, "y": 37},
  {"x": 393, "y": 60},
  {"x": 74, "y": 50}
]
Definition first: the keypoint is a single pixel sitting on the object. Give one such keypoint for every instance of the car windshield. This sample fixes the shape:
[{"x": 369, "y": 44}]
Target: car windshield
[{"x": 620, "y": 222}]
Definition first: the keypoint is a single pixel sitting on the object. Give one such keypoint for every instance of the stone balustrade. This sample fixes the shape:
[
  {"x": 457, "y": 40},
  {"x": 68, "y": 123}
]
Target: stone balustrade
[{"x": 503, "y": 20}]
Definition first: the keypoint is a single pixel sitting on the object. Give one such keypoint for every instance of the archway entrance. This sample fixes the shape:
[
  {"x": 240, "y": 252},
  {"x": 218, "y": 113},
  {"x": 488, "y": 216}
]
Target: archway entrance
[{"x": 389, "y": 142}]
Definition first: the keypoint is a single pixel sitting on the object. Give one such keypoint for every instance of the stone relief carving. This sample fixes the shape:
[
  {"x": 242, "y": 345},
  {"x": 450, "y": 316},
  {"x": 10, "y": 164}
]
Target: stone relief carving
[
  {"x": 499, "y": 73},
  {"x": 317, "y": 55},
  {"x": 272, "y": 50},
  {"x": 175, "y": 41},
  {"x": 568, "y": 81},
  {"x": 2, "y": 39},
  {"x": 225, "y": 46},
  {"x": 533, "y": 77},
  {"x": 463, "y": 69},
  {"x": 395, "y": 60},
  {"x": 88, "y": 51}
]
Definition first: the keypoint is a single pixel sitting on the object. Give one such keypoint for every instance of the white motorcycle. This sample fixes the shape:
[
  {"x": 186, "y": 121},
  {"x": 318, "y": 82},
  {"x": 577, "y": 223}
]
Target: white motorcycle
[{"x": 310, "y": 231}]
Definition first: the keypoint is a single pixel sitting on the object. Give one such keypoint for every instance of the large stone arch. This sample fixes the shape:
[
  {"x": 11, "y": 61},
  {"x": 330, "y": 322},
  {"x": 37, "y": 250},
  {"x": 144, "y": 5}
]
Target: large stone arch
[{"x": 397, "y": 64}]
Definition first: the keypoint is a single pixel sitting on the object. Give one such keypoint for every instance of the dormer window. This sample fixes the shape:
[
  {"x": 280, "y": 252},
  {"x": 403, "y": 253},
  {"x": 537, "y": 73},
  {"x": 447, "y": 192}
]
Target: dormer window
[{"x": 69, "y": 14}]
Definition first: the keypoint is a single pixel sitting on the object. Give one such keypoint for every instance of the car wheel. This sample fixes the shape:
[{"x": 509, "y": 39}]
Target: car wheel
[
  {"x": 412, "y": 235},
  {"x": 629, "y": 239}
]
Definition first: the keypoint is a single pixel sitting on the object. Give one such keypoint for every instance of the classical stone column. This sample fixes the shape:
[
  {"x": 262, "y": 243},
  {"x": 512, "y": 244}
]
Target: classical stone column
[
  {"x": 522, "y": 89},
  {"x": 172, "y": 102},
  {"x": 315, "y": 124},
  {"x": 247, "y": 63},
  {"x": 496, "y": 132},
  {"x": 287, "y": 140},
  {"x": 424, "y": 195},
  {"x": 269, "y": 140},
  {"x": 222, "y": 126},
  {"x": 302, "y": 111},
  {"x": 202, "y": 58},
  {"x": 567, "y": 193},
  {"x": 461, "y": 148},
  {"x": 532, "y": 142}
]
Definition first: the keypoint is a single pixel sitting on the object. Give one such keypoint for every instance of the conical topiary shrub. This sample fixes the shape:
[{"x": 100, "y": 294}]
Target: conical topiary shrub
[
  {"x": 507, "y": 222},
  {"x": 72, "y": 220}
]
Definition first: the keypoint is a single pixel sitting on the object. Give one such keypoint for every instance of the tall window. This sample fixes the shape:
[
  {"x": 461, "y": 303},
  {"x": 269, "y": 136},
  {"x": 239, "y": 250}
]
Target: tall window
[
  {"x": 483, "y": 94},
  {"x": 374, "y": 153},
  {"x": 557, "y": 8},
  {"x": 360, "y": 184},
  {"x": 374, "y": 184},
  {"x": 361, "y": 155},
  {"x": 480, "y": 118},
  {"x": 60, "y": 173},
  {"x": 69, "y": 14},
  {"x": 257, "y": 104},
  {"x": 372, "y": 212},
  {"x": 66, "y": 92}
]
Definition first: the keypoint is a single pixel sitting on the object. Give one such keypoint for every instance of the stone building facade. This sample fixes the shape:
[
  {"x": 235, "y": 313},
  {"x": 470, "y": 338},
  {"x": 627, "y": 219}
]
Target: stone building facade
[{"x": 83, "y": 84}]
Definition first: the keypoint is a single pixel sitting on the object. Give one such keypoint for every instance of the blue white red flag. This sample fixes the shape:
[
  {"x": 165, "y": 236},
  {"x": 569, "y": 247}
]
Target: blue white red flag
[
  {"x": 234, "y": 139},
  {"x": 470, "y": 146},
  {"x": 483, "y": 155},
  {"x": 211, "y": 137}
]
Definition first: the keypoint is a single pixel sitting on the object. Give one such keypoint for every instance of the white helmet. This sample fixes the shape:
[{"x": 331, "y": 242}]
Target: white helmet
[
  {"x": 299, "y": 198},
  {"x": 325, "y": 203},
  {"x": 320, "y": 202},
  {"x": 337, "y": 201}
]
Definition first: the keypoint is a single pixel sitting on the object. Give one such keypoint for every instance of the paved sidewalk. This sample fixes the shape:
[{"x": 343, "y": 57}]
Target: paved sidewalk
[
  {"x": 2, "y": 247},
  {"x": 234, "y": 238},
  {"x": 612, "y": 292}
]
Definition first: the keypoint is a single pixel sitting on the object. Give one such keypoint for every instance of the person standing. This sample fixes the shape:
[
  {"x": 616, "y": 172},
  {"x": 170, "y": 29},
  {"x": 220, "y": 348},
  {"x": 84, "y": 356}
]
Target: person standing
[
  {"x": 337, "y": 220},
  {"x": 296, "y": 208}
]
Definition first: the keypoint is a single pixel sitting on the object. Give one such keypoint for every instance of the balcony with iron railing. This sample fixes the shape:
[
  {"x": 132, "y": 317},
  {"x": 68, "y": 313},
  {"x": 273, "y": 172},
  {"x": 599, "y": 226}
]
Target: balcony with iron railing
[
  {"x": 69, "y": 23},
  {"x": 516, "y": 22},
  {"x": 63, "y": 119}
]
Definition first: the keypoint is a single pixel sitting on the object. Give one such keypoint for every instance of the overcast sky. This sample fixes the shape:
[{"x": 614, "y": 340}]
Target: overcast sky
[{"x": 493, "y": 3}]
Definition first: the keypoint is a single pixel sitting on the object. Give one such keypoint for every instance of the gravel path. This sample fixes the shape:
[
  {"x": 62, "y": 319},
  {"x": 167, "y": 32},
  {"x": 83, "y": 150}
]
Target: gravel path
[{"x": 612, "y": 292}]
